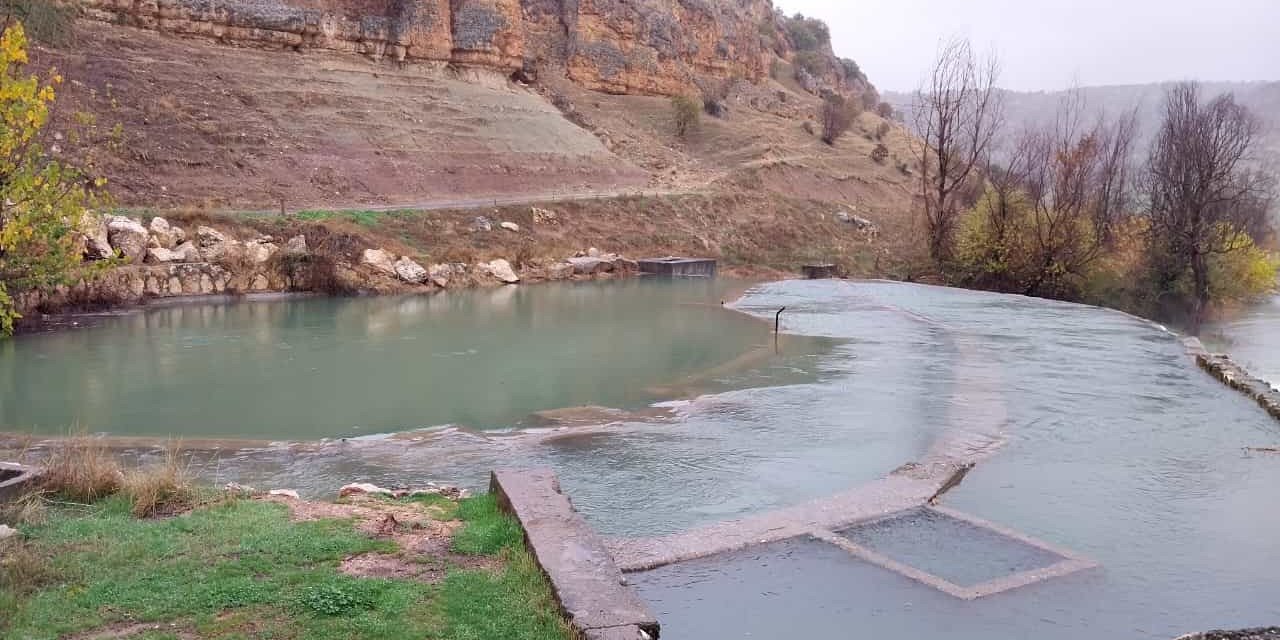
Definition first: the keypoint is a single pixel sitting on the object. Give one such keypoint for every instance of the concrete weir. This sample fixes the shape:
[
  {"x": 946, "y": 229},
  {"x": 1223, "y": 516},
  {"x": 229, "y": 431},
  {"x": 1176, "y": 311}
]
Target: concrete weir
[
  {"x": 909, "y": 487},
  {"x": 678, "y": 267},
  {"x": 592, "y": 593}
]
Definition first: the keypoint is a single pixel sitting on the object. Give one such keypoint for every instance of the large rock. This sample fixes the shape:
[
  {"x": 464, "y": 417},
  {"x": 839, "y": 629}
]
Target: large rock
[
  {"x": 216, "y": 246},
  {"x": 166, "y": 235},
  {"x": 501, "y": 269},
  {"x": 128, "y": 237},
  {"x": 259, "y": 252},
  {"x": 207, "y": 237},
  {"x": 510, "y": 226},
  {"x": 160, "y": 255},
  {"x": 380, "y": 260},
  {"x": 363, "y": 489},
  {"x": 187, "y": 252},
  {"x": 439, "y": 274},
  {"x": 560, "y": 271},
  {"x": 587, "y": 266},
  {"x": 97, "y": 241},
  {"x": 410, "y": 271}
]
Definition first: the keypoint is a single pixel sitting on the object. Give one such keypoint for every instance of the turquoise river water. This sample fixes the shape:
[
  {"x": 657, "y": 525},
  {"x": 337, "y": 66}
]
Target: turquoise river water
[{"x": 1092, "y": 430}]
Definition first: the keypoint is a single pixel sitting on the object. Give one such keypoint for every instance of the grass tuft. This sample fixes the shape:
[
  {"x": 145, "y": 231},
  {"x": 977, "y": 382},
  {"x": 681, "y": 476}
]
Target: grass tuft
[
  {"x": 82, "y": 469},
  {"x": 487, "y": 531},
  {"x": 163, "y": 489}
]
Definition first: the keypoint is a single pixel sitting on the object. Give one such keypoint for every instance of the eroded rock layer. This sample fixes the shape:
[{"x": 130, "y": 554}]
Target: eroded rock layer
[{"x": 661, "y": 47}]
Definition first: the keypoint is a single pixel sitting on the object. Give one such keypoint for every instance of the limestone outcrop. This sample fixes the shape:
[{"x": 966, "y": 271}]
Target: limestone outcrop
[{"x": 656, "y": 47}]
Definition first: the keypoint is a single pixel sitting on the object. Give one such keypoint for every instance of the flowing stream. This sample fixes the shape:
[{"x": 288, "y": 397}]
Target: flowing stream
[{"x": 1092, "y": 430}]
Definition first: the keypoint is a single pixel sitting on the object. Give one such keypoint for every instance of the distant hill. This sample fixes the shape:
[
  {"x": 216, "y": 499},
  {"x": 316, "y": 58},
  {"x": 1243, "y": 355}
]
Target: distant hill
[{"x": 1029, "y": 108}]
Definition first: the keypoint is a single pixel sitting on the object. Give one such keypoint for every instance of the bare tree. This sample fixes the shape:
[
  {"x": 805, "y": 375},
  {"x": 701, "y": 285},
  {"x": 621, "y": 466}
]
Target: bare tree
[
  {"x": 1115, "y": 188},
  {"x": 1047, "y": 200},
  {"x": 1199, "y": 187},
  {"x": 838, "y": 114},
  {"x": 957, "y": 115}
]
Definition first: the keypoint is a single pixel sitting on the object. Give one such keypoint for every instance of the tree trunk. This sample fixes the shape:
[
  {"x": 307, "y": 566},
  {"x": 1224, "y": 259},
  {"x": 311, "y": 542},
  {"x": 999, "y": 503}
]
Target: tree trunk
[{"x": 1200, "y": 273}]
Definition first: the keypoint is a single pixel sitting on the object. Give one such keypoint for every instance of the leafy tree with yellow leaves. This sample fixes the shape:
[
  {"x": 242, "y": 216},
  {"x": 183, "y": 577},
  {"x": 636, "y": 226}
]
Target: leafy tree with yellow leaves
[{"x": 41, "y": 200}]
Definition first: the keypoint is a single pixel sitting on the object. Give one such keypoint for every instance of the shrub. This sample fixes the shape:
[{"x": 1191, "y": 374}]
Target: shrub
[
  {"x": 851, "y": 69},
  {"x": 813, "y": 63},
  {"x": 885, "y": 110},
  {"x": 880, "y": 154},
  {"x": 838, "y": 115},
  {"x": 883, "y": 130},
  {"x": 685, "y": 113},
  {"x": 807, "y": 34},
  {"x": 38, "y": 244}
]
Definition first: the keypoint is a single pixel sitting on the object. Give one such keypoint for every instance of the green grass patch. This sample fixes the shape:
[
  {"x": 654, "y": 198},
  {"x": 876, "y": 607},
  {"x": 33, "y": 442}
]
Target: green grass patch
[
  {"x": 488, "y": 531},
  {"x": 363, "y": 218},
  {"x": 242, "y": 569}
]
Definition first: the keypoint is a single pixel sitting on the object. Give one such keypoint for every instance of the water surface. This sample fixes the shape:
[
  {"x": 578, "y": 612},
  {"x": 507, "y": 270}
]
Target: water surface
[
  {"x": 1252, "y": 338},
  {"x": 318, "y": 367}
]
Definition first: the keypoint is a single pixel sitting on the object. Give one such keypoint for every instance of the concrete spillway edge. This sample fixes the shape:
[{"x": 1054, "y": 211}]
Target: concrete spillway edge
[{"x": 589, "y": 587}]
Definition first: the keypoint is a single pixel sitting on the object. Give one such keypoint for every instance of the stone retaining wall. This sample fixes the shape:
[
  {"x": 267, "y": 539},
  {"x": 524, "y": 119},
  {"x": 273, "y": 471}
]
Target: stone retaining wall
[{"x": 1237, "y": 377}]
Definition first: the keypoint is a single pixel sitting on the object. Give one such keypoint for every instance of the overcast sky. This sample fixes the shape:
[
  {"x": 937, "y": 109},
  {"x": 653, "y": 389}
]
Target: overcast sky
[{"x": 1051, "y": 44}]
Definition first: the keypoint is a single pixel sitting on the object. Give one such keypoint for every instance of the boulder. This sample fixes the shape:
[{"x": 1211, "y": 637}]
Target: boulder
[
  {"x": 363, "y": 489},
  {"x": 259, "y": 252},
  {"x": 448, "y": 491},
  {"x": 481, "y": 223},
  {"x": 439, "y": 274},
  {"x": 593, "y": 253},
  {"x": 501, "y": 269},
  {"x": 7, "y": 532},
  {"x": 187, "y": 252},
  {"x": 216, "y": 246},
  {"x": 510, "y": 226},
  {"x": 207, "y": 237},
  {"x": 166, "y": 235},
  {"x": 380, "y": 260},
  {"x": 296, "y": 246},
  {"x": 590, "y": 266},
  {"x": 160, "y": 255},
  {"x": 544, "y": 216},
  {"x": 228, "y": 251},
  {"x": 560, "y": 271},
  {"x": 410, "y": 271},
  {"x": 284, "y": 493},
  {"x": 97, "y": 241},
  {"x": 128, "y": 237},
  {"x": 857, "y": 221}
]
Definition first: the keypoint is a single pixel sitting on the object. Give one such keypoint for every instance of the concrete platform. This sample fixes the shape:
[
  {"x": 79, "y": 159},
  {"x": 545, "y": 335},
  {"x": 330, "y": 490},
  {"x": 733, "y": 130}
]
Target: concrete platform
[
  {"x": 15, "y": 479},
  {"x": 588, "y": 585},
  {"x": 673, "y": 267}
]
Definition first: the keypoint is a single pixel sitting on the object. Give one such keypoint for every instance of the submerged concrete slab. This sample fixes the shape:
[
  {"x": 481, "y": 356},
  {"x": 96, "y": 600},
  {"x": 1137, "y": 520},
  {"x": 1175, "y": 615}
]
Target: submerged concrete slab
[
  {"x": 909, "y": 487},
  {"x": 588, "y": 585}
]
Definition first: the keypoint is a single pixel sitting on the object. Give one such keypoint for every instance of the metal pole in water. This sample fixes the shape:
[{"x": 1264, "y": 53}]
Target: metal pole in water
[{"x": 777, "y": 322}]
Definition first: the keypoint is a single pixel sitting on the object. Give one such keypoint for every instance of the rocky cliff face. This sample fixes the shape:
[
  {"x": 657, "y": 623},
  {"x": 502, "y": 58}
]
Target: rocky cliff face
[{"x": 659, "y": 47}]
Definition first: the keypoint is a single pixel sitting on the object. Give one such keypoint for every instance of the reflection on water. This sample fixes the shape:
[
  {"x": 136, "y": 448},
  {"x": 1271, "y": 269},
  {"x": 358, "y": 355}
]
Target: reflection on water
[
  {"x": 1252, "y": 339},
  {"x": 311, "y": 368}
]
